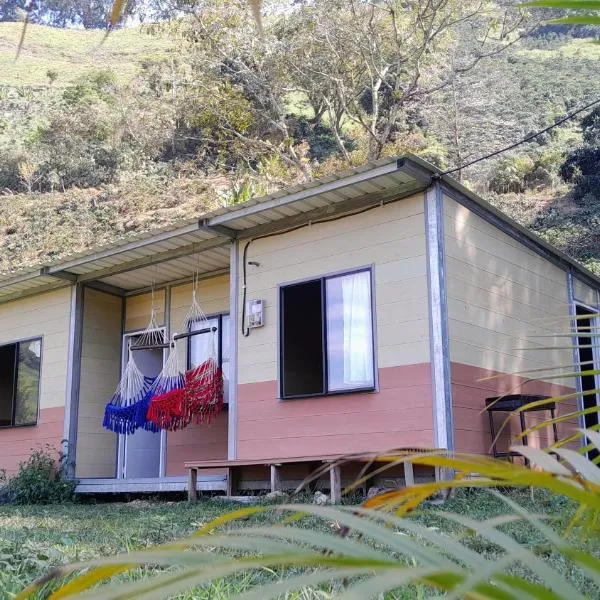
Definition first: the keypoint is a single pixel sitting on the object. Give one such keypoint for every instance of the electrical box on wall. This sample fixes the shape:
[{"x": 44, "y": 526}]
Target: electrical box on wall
[{"x": 255, "y": 313}]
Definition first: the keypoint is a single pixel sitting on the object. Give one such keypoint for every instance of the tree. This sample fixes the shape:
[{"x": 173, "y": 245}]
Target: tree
[
  {"x": 370, "y": 63},
  {"x": 90, "y": 14},
  {"x": 581, "y": 165}
]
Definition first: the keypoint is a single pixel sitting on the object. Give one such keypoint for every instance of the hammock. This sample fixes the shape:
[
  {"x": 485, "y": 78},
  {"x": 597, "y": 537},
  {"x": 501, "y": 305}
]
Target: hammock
[
  {"x": 200, "y": 394},
  {"x": 126, "y": 411},
  {"x": 164, "y": 408},
  {"x": 203, "y": 393}
]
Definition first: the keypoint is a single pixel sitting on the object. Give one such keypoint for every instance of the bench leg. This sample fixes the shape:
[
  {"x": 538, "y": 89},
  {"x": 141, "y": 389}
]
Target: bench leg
[
  {"x": 275, "y": 478},
  {"x": 192, "y": 481},
  {"x": 232, "y": 487},
  {"x": 409, "y": 476},
  {"x": 335, "y": 479}
]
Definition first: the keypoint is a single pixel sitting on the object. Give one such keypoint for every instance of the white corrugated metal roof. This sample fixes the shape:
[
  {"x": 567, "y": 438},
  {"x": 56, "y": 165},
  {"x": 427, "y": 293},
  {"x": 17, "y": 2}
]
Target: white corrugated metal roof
[{"x": 202, "y": 245}]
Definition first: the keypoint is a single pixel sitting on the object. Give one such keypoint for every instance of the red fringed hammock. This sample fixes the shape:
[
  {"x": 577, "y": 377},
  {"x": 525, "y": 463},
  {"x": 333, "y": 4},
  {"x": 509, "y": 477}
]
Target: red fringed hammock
[{"x": 201, "y": 398}]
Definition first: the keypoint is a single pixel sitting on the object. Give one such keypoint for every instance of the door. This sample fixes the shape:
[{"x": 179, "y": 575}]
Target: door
[{"x": 142, "y": 449}]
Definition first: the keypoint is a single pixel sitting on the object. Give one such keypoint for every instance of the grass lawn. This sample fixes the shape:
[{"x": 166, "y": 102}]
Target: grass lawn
[{"x": 33, "y": 539}]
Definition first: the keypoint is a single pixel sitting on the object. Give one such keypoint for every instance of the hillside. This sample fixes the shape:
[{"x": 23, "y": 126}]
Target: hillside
[
  {"x": 71, "y": 53},
  {"x": 103, "y": 139}
]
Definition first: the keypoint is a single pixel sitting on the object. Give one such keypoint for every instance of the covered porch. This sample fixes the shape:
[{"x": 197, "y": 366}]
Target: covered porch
[{"x": 112, "y": 309}]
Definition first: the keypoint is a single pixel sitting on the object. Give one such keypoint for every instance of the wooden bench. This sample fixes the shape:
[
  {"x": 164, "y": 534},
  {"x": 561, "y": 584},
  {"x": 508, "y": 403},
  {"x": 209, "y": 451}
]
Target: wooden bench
[{"x": 275, "y": 464}]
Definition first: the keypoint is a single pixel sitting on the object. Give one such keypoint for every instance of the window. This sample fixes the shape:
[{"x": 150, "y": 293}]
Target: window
[
  {"x": 326, "y": 336},
  {"x": 199, "y": 348},
  {"x": 20, "y": 383},
  {"x": 588, "y": 358}
]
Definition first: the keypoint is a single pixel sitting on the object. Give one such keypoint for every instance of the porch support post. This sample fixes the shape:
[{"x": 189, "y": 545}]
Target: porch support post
[
  {"x": 575, "y": 343},
  {"x": 233, "y": 345},
  {"x": 443, "y": 424},
  {"x": 335, "y": 484},
  {"x": 71, "y": 416},
  {"x": 192, "y": 483},
  {"x": 275, "y": 478},
  {"x": 162, "y": 465}
]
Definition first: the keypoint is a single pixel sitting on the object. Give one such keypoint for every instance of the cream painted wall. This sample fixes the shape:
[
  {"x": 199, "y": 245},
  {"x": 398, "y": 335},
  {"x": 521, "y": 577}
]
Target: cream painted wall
[
  {"x": 584, "y": 293},
  {"x": 138, "y": 308},
  {"x": 100, "y": 371},
  {"x": 213, "y": 297},
  {"x": 501, "y": 295},
  {"x": 391, "y": 237},
  {"x": 46, "y": 316}
]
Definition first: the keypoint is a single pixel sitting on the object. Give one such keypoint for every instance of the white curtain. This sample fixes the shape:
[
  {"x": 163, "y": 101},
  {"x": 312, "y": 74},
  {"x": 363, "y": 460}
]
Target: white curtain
[{"x": 350, "y": 331}]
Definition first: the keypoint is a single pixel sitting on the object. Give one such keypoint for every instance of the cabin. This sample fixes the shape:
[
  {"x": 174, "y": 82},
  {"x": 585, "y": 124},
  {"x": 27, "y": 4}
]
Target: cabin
[{"x": 372, "y": 310}]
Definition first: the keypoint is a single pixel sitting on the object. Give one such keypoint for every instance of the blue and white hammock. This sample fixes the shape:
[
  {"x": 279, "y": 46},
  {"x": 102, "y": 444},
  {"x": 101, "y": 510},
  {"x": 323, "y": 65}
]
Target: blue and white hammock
[{"x": 127, "y": 409}]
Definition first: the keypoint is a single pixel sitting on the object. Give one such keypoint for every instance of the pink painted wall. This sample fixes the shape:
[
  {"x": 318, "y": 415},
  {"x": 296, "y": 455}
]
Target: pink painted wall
[
  {"x": 399, "y": 415},
  {"x": 17, "y": 443},
  {"x": 471, "y": 422},
  {"x": 196, "y": 442}
]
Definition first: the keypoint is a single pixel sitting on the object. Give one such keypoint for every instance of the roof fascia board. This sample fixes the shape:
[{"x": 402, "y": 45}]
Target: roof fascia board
[
  {"x": 331, "y": 211},
  {"x": 154, "y": 259},
  {"x": 220, "y": 229},
  {"x": 135, "y": 245},
  {"x": 330, "y": 186},
  {"x": 495, "y": 217},
  {"x": 411, "y": 167},
  {"x": 21, "y": 278},
  {"x": 42, "y": 289},
  {"x": 66, "y": 275}
]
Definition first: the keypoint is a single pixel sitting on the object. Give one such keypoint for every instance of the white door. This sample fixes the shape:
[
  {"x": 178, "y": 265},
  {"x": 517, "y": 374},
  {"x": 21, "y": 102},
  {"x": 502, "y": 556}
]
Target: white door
[{"x": 142, "y": 449}]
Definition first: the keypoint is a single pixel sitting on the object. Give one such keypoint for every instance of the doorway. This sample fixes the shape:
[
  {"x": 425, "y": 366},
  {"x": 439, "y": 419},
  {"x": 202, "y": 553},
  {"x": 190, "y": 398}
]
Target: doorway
[
  {"x": 588, "y": 351},
  {"x": 140, "y": 452}
]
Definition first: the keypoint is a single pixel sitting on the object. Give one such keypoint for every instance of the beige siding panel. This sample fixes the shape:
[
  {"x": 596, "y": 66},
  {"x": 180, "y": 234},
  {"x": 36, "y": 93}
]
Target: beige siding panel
[
  {"x": 100, "y": 371},
  {"x": 501, "y": 298},
  {"x": 584, "y": 293},
  {"x": 138, "y": 310},
  {"x": 391, "y": 238},
  {"x": 46, "y": 316}
]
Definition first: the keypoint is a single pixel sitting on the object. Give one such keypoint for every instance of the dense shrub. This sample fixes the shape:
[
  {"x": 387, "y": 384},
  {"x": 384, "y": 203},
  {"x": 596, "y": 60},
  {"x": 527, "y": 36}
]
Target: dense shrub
[
  {"x": 581, "y": 164},
  {"x": 41, "y": 479}
]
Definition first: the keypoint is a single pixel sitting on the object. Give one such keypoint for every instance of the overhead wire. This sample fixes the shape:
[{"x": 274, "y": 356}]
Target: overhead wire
[
  {"x": 526, "y": 139},
  {"x": 246, "y": 329}
]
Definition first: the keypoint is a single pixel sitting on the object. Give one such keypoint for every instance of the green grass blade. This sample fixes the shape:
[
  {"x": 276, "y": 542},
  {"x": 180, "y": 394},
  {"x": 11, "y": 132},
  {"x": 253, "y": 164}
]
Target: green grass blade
[
  {"x": 541, "y": 459},
  {"x": 583, "y": 20},
  {"x": 568, "y": 4},
  {"x": 589, "y": 563},
  {"x": 581, "y": 464},
  {"x": 382, "y": 583},
  {"x": 593, "y": 436},
  {"x": 273, "y": 590},
  {"x": 446, "y": 543},
  {"x": 518, "y": 552}
]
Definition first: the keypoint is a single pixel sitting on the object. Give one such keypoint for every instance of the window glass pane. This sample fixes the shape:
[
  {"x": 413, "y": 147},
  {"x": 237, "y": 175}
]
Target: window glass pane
[
  {"x": 349, "y": 332},
  {"x": 302, "y": 367},
  {"x": 7, "y": 383},
  {"x": 201, "y": 345},
  {"x": 28, "y": 382}
]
